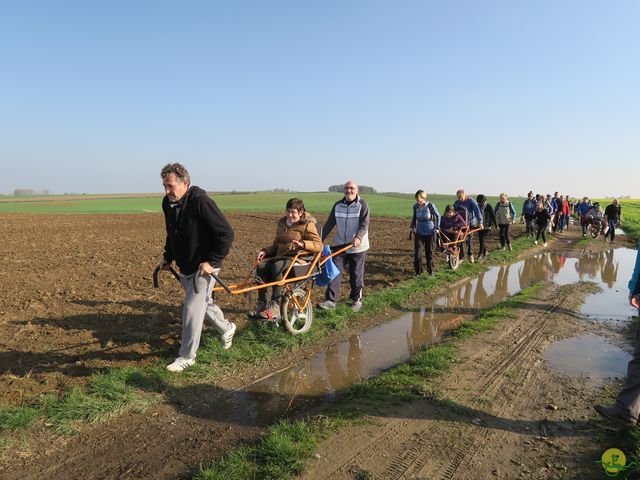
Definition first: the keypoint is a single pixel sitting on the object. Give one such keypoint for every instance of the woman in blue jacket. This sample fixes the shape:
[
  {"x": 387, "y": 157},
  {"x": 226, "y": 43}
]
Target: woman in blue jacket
[{"x": 424, "y": 226}]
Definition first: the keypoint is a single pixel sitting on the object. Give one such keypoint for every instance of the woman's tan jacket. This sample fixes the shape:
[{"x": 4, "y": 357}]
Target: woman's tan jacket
[{"x": 303, "y": 231}]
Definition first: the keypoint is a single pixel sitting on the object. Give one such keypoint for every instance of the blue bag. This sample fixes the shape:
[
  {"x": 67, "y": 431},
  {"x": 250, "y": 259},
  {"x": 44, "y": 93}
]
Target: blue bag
[{"x": 328, "y": 271}]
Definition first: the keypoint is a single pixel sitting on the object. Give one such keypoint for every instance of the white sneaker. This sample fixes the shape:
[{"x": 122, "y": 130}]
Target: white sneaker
[
  {"x": 471, "y": 259},
  {"x": 227, "y": 337},
  {"x": 327, "y": 305},
  {"x": 536, "y": 242},
  {"x": 545, "y": 244},
  {"x": 180, "y": 364},
  {"x": 356, "y": 306}
]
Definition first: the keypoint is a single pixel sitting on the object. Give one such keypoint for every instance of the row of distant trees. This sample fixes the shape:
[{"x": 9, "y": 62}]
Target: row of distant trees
[
  {"x": 28, "y": 192},
  {"x": 361, "y": 188}
]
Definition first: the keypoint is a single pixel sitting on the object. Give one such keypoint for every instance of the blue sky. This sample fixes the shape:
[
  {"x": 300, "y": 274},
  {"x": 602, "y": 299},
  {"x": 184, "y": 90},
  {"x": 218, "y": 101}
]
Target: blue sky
[{"x": 490, "y": 96}]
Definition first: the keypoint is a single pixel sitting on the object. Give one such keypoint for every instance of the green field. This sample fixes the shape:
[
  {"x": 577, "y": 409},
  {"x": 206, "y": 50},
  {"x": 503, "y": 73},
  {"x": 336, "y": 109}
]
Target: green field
[
  {"x": 630, "y": 217},
  {"x": 389, "y": 205}
]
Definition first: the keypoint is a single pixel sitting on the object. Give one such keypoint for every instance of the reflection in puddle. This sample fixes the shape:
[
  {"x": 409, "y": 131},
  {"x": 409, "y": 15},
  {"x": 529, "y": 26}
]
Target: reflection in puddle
[
  {"x": 587, "y": 356},
  {"x": 317, "y": 380}
]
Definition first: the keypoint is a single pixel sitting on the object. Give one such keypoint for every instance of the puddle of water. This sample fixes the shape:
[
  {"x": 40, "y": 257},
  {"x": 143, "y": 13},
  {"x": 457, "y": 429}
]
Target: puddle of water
[
  {"x": 588, "y": 356},
  {"x": 316, "y": 381}
]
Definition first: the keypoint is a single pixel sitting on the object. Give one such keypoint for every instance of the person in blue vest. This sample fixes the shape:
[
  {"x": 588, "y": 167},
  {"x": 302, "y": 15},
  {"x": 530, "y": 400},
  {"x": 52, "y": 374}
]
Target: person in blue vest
[
  {"x": 626, "y": 410},
  {"x": 350, "y": 217},
  {"x": 474, "y": 218},
  {"x": 424, "y": 227},
  {"x": 528, "y": 212}
]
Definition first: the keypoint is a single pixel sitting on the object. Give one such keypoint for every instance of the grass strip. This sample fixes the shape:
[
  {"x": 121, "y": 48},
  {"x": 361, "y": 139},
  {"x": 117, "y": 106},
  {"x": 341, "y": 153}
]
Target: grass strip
[
  {"x": 105, "y": 395},
  {"x": 135, "y": 388},
  {"x": 13, "y": 418},
  {"x": 288, "y": 446}
]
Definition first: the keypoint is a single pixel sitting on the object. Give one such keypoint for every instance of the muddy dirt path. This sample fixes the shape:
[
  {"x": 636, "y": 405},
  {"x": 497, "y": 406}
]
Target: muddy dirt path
[{"x": 500, "y": 413}]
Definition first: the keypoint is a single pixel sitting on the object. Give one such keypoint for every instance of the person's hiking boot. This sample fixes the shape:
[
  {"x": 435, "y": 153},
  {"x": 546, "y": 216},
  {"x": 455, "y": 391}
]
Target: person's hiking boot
[
  {"x": 327, "y": 305},
  {"x": 227, "y": 337},
  {"x": 262, "y": 304},
  {"x": 471, "y": 259},
  {"x": 535, "y": 242},
  {"x": 180, "y": 364},
  {"x": 613, "y": 414},
  {"x": 544, "y": 244},
  {"x": 356, "y": 306},
  {"x": 510, "y": 247},
  {"x": 271, "y": 313}
]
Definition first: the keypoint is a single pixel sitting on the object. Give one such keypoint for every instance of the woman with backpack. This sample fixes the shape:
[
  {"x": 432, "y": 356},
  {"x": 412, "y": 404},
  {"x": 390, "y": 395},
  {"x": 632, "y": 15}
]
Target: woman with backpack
[
  {"x": 424, "y": 226},
  {"x": 489, "y": 221},
  {"x": 505, "y": 215}
]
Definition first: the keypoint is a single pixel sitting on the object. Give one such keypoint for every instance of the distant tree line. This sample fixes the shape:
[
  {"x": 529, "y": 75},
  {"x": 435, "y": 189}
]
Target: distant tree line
[
  {"x": 361, "y": 188},
  {"x": 27, "y": 192}
]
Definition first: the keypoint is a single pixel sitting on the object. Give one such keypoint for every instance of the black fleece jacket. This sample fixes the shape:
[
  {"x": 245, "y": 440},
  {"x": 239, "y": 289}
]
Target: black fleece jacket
[{"x": 197, "y": 232}]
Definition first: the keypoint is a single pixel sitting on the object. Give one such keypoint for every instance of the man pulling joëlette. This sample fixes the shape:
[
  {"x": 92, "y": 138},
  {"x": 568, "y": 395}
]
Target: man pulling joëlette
[{"x": 198, "y": 239}]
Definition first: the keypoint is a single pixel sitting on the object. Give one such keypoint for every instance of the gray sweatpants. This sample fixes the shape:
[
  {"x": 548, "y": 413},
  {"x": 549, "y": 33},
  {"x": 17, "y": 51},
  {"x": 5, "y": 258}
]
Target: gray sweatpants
[
  {"x": 197, "y": 307},
  {"x": 628, "y": 402}
]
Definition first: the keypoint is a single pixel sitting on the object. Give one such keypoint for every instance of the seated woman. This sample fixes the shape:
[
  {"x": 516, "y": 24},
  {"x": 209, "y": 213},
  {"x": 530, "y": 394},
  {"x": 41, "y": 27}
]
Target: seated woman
[
  {"x": 294, "y": 233},
  {"x": 451, "y": 223}
]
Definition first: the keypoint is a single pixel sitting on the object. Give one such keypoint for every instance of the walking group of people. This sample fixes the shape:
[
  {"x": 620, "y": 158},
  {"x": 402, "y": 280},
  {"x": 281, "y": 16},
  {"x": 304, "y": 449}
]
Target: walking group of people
[
  {"x": 541, "y": 214},
  {"x": 606, "y": 221},
  {"x": 545, "y": 214},
  {"x": 427, "y": 226},
  {"x": 199, "y": 237}
]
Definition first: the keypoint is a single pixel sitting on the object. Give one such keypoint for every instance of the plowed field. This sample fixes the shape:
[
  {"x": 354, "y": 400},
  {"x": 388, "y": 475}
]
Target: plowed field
[{"x": 77, "y": 292}]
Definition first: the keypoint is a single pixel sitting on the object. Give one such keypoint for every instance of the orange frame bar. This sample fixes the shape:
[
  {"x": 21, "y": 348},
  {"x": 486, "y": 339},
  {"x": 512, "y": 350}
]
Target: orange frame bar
[
  {"x": 461, "y": 236},
  {"x": 245, "y": 287}
]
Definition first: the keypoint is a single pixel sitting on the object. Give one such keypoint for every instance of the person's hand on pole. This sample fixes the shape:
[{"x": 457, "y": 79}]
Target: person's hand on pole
[
  {"x": 296, "y": 245},
  {"x": 164, "y": 265},
  {"x": 356, "y": 242},
  {"x": 261, "y": 255},
  {"x": 205, "y": 268}
]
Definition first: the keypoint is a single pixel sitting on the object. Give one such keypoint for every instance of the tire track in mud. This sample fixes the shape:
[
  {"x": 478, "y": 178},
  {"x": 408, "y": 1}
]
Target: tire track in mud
[
  {"x": 428, "y": 445},
  {"x": 527, "y": 343}
]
